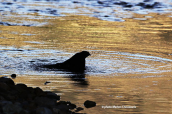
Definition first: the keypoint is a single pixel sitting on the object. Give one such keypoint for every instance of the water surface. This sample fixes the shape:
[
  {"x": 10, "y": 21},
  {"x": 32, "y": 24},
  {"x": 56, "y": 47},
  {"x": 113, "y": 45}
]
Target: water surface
[{"x": 130, "y": 62}]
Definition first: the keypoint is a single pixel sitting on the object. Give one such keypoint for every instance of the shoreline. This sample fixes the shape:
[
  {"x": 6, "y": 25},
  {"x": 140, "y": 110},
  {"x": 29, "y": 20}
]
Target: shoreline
[{"x": 20, "y": 99}]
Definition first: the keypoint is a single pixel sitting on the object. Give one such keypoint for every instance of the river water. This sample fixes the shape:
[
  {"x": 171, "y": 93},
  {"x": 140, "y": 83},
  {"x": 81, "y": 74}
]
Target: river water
[{"x": 130, "y": 45}]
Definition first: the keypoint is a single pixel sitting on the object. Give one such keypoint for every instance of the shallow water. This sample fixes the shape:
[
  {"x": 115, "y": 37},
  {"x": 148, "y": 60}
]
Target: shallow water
[
  {"x": 109, "y": 63},
  {"x": 130, "y": 62}
]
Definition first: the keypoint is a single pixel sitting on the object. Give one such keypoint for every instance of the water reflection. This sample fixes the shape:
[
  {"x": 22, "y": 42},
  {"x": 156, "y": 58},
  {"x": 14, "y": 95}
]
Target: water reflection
[
  {"x": 130, "y": 64},
  {"x": 102, "y": 9},
  {"x": 79, "y": 80},
  {"x": 166, "y": 35},
  {"x": 110, "y": 62}
]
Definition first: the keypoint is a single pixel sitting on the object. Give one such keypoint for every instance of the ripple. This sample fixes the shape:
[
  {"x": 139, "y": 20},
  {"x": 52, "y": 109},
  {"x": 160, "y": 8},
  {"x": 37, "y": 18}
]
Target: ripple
[
  {"x": 105, "y": 10},
  {"x": 20, "y": 61}
]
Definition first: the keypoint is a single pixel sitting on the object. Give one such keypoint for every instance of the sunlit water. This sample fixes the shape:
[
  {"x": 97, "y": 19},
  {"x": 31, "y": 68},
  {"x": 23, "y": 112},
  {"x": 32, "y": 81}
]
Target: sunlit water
[
  {"x": 109, "y": 63},
  {"x": 131, "y": 57}
]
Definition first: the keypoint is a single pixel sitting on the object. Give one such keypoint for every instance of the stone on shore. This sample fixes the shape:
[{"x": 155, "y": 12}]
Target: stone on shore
[{"x": 20, "y": 99}]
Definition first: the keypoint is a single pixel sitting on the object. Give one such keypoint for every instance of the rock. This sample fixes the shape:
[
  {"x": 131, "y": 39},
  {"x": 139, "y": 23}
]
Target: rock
[
  {"x": 24, "y": 86},
  {"x": 57, "y": 111},
  {"x": 43, "y": 110},
  {"x": 24, "y": 112},
  {"x": 23, "y": 92},
  {"x": 4, "y": 102},
  {"x": 79, "y": 109},
  {"x": 46, "y": 82},
  {"x": 17, "y": 103},
  {"x": 7, "y": 81},
  {"x": 70, "y": 105},
  {"x": 2, "y": 98},
  {"x": 62, "y": 105},
  {"x": 89, "y": 104},
  {"x": 4, "y": 87},
  {"x": 38, "y": 91},
  {"x": 44, "y": 101},
  {"x": 20, "y": 99},
  {"x": 11, "y": 109},
  {"x": 52, "y": 95},
  {"x": 31, "y": 106},
  {"x": 13, "y": 76},
  {"x": 4, "y": 93},
  {"x": 10, "y": 97}
]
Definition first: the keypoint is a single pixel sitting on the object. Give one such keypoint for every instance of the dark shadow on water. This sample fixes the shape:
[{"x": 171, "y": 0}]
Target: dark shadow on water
[
  {"x": 166, "y": 36},
  {"x": 79, "y": 80},
  {"x": 74, "y": 66}
]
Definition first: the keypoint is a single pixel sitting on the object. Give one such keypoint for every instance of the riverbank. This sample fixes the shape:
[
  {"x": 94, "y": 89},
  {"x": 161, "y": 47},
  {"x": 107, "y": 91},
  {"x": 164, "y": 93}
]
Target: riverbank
[{"x": 20, "y": 99}]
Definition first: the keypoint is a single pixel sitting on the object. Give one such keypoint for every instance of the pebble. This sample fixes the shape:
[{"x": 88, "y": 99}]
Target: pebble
[
  {"x": 13, "y": 76},
  {"x": 89, "y": 104},
  {"x": 46, "y": 82}
]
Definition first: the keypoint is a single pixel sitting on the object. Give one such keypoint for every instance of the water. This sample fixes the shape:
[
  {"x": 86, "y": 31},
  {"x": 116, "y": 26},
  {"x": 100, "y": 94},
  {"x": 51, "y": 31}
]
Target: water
[
  {"x": 131, "y": 57},
  {"x": 109, "y": 10},
  {"x": 110, "y": 63}
]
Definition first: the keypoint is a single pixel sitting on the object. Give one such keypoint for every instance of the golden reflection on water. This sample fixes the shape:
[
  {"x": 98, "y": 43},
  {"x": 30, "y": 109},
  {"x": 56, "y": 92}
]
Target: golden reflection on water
[
  {"x": 149, "y": 92},
  {"x": 151, "y": 36},
  {"x": 149, "y": 95}
]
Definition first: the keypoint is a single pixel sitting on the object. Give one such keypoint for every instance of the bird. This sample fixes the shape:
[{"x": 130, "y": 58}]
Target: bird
[{"x": 75, "y": 64}]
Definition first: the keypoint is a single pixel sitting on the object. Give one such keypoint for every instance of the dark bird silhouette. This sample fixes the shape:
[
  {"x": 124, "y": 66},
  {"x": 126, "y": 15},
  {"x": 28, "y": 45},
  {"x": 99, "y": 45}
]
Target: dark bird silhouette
[{"x": 76, "y": 63}]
